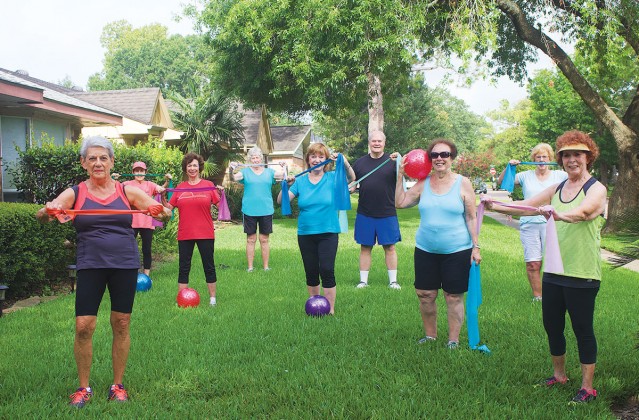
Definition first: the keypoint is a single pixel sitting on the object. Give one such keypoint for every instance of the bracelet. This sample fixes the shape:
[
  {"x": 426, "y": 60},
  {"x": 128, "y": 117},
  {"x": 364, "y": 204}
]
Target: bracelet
[{"x": 476, "y": 246}]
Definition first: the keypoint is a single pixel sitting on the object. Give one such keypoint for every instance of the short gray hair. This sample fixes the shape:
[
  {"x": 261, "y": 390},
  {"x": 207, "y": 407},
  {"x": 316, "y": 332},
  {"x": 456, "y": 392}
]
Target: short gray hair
[
  {"x": 95, "y": 141},
  {"x": 374, "y": 132},
  {"x": 255, "y": 151}
]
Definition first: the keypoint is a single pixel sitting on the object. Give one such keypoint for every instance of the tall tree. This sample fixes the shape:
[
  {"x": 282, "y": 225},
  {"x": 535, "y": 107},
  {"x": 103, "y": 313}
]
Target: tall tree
[
  {"x": 212, "y": 127},
  {"x": 149, "y": 57},
  {"x": 305, "y": 55},
  {"x": 606, "y": 29}
]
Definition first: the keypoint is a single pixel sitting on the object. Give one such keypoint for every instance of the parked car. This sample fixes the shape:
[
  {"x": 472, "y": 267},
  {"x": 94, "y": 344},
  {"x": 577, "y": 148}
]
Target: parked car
[{"x": 480, "y": 186}]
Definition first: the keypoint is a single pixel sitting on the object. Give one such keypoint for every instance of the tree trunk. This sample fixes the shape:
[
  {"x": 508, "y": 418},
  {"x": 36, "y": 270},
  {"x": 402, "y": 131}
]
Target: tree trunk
[
  {"x": 375, "y": 104},
  {"x": 624, "y": 202}
]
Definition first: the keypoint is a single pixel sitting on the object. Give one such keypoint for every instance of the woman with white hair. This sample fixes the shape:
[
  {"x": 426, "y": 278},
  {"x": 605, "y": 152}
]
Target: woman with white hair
[
  {"x": 257, "y": 203},
  {"x": 532, "y": 229}
]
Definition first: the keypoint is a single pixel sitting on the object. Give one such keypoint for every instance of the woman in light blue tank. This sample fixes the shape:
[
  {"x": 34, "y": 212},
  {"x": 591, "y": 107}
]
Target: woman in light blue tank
[
  {"x": 257, "y": 203},
  {"x": 446, "y": 240},
  {"x": 532, "y": 229}
]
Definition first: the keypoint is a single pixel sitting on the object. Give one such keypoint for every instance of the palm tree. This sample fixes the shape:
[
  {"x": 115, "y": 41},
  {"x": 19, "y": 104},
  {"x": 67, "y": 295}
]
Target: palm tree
[{"x": 212, "y": 126}]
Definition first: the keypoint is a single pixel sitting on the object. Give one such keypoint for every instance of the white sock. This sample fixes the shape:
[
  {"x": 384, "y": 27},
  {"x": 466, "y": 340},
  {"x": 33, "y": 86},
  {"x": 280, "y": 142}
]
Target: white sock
[
  {"x": 363, "y": 276},
  {"x": 392, "y": 276},
  {"x": 213, "y": 302}
]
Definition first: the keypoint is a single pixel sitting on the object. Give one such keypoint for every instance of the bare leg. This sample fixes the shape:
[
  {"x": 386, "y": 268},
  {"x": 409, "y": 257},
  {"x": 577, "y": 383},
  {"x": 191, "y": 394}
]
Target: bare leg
[
  {"x": 455, "y": 307},
  {"x": 147, "y": 271},
  {"x": 365, "y": 258},
  {"x": 330, "y": 294},
  {"x": 533, "y": 271},
  {"x": 212, "y": 288},
  {"x": 390, "y": 256},
  {"x": 121, "y": 344},
  {"x": 559, "y": 367},
  {"x": 587, "y": 376},
  {"x": 83, "y": 347},
  {"x": 250, "y": 249},
  {"x": 313, "y": 290},
  {"x": 264, "y": 247},
  {"x": 428, "y": 311}
]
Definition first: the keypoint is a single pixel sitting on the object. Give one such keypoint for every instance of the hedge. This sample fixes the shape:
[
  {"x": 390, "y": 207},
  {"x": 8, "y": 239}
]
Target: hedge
[{"x": 33, "y": 255}]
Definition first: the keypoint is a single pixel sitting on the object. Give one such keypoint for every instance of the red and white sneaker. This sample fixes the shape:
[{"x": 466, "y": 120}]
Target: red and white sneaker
[{"x": 118, "y": 393}]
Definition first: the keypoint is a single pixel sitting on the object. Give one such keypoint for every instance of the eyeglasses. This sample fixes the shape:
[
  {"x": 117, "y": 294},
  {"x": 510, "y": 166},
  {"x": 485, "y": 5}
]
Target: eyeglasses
[{"x": 443, "y": 155}]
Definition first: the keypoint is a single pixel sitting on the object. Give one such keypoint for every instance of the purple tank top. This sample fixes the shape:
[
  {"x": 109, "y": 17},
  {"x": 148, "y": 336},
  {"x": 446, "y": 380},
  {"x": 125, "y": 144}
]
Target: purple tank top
[{"x": 105, "y": 241}]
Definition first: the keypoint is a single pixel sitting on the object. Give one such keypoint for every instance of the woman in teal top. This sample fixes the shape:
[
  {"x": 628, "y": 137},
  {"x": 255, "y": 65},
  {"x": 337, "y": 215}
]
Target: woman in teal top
[
  {"x": 578, "y": 204},
  {"x": 257, "y": 204},
  {"x": 318, "y": 222},
  {"x": 446, "y": 241}
]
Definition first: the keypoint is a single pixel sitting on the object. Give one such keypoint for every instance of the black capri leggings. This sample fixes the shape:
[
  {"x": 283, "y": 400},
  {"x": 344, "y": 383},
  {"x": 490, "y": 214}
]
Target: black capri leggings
[
  {"x": 580, "y": 304},
  {"x": 207, "y": 249},
  {"x": 93, "y": 282},
  {"x": 147, "y": 240},
  {"x": 318, "y": 254}
]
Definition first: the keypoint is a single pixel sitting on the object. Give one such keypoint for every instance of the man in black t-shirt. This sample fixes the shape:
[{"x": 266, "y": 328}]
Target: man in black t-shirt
[{"x": 376, "y": 220}]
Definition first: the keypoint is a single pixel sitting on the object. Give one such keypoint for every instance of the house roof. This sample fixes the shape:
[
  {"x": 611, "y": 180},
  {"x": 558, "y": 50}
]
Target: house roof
[
  {"x": 251, "y": 123},
  {"x": 22, "y": 90},
  {"x": 289, "y": 137},
  {"x": 136, "y": 104}
]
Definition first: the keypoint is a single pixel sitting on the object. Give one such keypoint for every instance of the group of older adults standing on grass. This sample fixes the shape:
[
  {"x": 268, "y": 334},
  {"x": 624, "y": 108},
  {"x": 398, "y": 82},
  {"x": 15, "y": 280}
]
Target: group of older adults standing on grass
[{"x": 446, "y": 242}]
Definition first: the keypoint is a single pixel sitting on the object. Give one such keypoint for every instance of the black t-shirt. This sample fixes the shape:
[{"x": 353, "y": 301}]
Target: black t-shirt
[{"x": 376, "y": 192}]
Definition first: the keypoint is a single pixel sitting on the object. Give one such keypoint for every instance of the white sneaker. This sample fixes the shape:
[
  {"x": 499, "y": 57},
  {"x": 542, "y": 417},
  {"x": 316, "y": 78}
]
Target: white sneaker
[
  {"x": 395, "y": 285},
  {"x": 212, "y": 301},
  {"x": 361, "y": 285}
]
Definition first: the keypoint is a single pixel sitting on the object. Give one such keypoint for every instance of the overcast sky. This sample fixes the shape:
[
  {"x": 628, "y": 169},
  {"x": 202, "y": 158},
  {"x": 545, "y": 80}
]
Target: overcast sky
[{"x": 55, "y": 39}]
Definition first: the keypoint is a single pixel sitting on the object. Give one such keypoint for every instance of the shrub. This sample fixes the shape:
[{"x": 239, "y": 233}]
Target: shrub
[
  {"x": 43, "y": 172},
  {"x": 34, "y": 255}
]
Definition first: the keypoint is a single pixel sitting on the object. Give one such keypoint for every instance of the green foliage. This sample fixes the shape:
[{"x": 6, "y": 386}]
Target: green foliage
[
  {"x": 43, "y": 172},
  {"x": 149, "y": 57},
  {"x": 212, "y": 127},
  {"x": 34, "y": 255}
]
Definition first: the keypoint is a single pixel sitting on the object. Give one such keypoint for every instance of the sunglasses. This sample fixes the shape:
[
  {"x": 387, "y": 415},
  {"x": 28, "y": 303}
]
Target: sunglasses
[{"x": 443, "y": 155}]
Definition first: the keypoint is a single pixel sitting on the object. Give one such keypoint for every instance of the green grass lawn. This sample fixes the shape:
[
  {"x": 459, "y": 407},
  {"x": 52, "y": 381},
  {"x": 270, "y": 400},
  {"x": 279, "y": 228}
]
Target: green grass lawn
[{"x": 257, "y": 355}]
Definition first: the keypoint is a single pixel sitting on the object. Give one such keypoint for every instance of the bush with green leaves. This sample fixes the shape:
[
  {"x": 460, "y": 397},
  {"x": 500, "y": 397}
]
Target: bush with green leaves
[
  {"x": 34, "y": 255},
  {"x": 43, "y": 172}
]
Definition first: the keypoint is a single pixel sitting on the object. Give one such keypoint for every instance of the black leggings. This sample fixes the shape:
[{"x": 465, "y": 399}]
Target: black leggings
[
  {"x": 207, "y": 249},
  {"x": 147, "y": 240},
  {"x": 318, "y": 254},
  {"x": 580, "y": 304}
]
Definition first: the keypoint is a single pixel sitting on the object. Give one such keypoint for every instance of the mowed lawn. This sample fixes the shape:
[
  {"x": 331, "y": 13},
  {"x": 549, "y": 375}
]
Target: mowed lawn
[{"x": 257, "y": 355}]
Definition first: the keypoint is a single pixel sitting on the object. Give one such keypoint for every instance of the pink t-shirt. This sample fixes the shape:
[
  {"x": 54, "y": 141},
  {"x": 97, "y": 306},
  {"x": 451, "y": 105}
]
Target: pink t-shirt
[
  {"x": 142, "y": 221},
  {"x": 196, "y": 221}
]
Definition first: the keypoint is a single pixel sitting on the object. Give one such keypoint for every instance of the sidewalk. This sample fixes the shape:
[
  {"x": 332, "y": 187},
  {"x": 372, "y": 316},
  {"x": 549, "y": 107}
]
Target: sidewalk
[{"x": 605, "y": 255}]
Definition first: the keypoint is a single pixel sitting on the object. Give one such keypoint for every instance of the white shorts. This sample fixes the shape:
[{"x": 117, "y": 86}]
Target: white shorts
[{"x": 533, "y": 238}]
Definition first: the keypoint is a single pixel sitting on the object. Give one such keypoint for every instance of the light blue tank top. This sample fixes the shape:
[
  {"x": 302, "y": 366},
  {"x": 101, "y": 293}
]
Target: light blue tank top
[
  {"x": 257, "y": 199},
  {"x": 442, "y": 228}
]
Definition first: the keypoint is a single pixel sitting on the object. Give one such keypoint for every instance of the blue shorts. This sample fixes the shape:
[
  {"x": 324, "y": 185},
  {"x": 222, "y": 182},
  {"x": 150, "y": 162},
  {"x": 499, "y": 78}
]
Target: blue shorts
[{"x": 381, "y": 230}]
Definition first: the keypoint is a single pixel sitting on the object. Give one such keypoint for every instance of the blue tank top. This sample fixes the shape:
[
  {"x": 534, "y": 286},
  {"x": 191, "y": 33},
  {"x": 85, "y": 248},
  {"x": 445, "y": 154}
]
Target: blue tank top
[
  {"x": 105, "y": 241},
  {"x": 442, "y": 227}
]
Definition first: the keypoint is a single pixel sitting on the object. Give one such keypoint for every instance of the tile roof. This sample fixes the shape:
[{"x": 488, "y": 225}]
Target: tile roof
[
  {"x": 135, "y": 104},
  {"x": 289, "y": 137}
]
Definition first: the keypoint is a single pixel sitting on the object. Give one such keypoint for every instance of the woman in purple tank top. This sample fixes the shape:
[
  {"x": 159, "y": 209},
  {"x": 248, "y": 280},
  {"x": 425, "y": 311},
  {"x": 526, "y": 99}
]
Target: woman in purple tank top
[{"x": 106, "y": 256}]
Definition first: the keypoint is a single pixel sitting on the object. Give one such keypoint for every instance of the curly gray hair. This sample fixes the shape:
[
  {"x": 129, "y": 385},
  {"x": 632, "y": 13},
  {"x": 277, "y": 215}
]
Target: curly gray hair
[
  {"x": 95, "y": 141},
  {"x": 254, "y": 151}
]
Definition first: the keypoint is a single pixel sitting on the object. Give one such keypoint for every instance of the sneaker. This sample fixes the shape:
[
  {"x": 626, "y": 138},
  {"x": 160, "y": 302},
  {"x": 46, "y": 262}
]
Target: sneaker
[
  {"x": 267, "y": 268},
  {"x": 395, "y": 285},
  {"x": 118, "y": 393},
  {"x": 548, "y": 382},
  {"x": 426, "y": 339},
  {"x": 584, "y": 396},
  {"x": 536, "y": 299},
  {"x": 452, "y": 345},
  {"x": 80, "y": 397},
  {"x": 250, "y": 270},
  {"x": 361, "y": 285}
]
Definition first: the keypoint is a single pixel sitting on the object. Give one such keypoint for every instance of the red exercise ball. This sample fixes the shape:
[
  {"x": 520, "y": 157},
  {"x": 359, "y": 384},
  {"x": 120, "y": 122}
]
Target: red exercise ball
[
  {"x": 417, "y": 164},
  {"x": 188, "y": 298}
]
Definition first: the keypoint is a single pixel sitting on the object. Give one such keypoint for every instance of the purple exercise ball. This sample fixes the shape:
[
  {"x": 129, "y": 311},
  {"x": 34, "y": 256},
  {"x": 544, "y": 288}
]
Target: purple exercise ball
[{"x": 317, "y": 306}]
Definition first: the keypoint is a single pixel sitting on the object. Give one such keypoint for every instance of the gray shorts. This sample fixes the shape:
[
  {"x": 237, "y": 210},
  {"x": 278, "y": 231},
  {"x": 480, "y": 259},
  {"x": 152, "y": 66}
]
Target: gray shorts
[{"x": 533, "y": 238}]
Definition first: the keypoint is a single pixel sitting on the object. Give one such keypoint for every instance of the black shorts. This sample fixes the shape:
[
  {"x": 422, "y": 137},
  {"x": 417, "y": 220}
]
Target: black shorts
[
  {"x": 251, "y": 222},
  {"x": 92, "y": 284},
  {"x": 442, "y": 271}
]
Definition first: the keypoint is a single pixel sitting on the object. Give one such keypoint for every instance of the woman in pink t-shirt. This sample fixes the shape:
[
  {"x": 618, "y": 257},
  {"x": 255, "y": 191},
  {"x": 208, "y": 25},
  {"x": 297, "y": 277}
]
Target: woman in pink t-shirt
[
  {"x": 196, "y": 223},
  {"x": 143, "y": 224}
]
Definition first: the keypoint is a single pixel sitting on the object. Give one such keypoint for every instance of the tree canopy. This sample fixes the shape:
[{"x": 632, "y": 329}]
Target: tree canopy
[{"x": 149, "y": 57}]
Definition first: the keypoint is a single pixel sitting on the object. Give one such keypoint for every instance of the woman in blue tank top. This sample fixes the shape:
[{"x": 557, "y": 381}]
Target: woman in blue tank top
[{"x": 446, "y": 240}]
